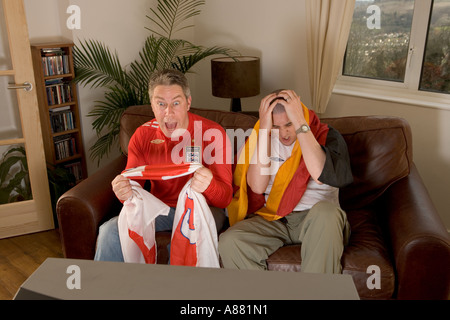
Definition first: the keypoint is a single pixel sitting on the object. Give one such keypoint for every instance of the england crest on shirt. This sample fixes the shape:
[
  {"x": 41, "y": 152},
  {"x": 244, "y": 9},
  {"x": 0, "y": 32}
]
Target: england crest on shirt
[{"x": 193, "y": 154}]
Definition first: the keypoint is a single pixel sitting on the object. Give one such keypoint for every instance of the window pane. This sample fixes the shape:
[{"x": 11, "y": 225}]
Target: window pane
[
  {"x": 14, "y": 179},
  {"x": 379, "y": 39},
  {"x": 436, "y": 67},
  {"x": 5, "y": 57},
  {"x": 10, "y": 122}
]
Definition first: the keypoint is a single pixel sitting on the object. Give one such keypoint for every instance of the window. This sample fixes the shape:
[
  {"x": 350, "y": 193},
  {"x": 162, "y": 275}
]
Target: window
[
  {"x": 436, "y": 66},
  {"x": 403, "y": 44},
  {"x": 379, "y": 40}
]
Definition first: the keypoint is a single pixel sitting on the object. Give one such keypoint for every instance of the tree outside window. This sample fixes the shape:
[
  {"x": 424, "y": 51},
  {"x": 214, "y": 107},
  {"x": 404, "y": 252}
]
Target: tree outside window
[{"x": 379, "y": 42}]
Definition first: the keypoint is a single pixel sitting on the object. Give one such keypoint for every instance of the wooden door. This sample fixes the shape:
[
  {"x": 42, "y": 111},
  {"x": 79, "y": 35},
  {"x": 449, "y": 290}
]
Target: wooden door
[{"x": 24, "y": 190}]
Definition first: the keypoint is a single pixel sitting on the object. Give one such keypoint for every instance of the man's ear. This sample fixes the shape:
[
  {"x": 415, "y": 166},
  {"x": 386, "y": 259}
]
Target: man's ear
[{"x": 189, "y": 101}]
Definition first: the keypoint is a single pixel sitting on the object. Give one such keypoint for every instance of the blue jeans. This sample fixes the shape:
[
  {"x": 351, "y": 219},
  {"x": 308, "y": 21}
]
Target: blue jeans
[{"x": 108, "y": 241}]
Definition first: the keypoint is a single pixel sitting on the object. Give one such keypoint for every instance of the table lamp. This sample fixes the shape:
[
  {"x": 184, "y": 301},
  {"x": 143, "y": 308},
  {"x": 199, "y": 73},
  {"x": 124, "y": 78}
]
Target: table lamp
[{"x": 235, "y": 78}]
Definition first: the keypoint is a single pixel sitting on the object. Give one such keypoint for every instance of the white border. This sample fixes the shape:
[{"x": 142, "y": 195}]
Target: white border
[{"x": 390, "y": 91}]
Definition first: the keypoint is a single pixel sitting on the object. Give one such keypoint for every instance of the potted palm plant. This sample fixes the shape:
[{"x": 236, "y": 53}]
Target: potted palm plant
[
  {"x": 96, "y": 66},
  {"x": 14, "y": 180}
]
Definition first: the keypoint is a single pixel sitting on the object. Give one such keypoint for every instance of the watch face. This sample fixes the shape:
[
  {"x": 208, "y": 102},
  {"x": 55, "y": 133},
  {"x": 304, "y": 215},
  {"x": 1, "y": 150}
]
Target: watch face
[{"x": 303, "y": 129}]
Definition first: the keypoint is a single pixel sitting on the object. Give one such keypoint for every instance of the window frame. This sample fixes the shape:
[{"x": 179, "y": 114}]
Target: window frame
[{"x": 406, "y": 92}]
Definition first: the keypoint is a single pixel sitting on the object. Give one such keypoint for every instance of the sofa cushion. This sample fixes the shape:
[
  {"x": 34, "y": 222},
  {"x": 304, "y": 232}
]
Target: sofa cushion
[
  {"x": 132, "y": 118},
  {"x": 366, "y": 248},
  {"x": 380, "y": 151}
]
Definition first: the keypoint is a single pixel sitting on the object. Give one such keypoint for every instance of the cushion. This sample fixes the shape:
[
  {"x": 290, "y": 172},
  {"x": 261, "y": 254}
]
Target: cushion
[
  {"x": 380, "y": 151},
  {"x": 366, "y": 248}
]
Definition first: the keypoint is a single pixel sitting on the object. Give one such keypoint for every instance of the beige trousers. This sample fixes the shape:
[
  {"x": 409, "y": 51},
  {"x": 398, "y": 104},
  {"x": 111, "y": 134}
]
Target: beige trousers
[{"x": 323, "y": 231}]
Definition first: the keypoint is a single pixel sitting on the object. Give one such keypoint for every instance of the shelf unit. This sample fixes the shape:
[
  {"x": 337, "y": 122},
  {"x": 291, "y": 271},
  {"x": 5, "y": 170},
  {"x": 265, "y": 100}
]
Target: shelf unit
[{"x": 58, "y": 106}]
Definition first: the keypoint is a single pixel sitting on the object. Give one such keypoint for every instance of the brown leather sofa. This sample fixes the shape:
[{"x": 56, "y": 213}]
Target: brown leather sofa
[{"x": 394, "y": 223}]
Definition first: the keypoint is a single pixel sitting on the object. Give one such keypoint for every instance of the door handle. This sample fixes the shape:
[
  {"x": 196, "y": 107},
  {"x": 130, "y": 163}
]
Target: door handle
[{"x": 25, "y": 86}]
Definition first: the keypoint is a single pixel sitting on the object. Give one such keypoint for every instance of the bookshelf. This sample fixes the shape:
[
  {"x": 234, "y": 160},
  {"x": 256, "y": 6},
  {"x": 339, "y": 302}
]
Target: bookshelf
[{"x": 58, "y": 107}]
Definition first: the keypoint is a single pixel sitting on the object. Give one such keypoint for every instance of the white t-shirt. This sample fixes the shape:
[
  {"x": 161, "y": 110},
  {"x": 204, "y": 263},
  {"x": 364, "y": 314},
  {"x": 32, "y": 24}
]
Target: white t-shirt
[{"x": 314, "y": 192}]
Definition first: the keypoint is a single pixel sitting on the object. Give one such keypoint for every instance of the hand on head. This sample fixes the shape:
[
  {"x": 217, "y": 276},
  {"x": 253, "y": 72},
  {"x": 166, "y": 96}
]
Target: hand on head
[{"x": 291, "y": 103}]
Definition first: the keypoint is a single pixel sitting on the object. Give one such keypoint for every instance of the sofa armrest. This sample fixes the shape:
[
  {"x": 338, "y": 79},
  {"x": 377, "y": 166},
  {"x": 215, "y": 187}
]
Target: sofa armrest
[
  {"x": 83, "y": 208},
  {"x": 420, "y": 242}
]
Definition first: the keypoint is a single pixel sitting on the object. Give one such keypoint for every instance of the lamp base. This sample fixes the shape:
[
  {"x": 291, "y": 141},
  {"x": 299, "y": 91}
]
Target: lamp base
[{"x": 235, "y": 105}]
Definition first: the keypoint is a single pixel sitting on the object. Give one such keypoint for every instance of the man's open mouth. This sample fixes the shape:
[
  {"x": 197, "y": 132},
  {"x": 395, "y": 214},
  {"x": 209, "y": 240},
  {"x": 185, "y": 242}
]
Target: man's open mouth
[
  {"x": 286, "y": 140},
  {"x": 171, "y": 125}
]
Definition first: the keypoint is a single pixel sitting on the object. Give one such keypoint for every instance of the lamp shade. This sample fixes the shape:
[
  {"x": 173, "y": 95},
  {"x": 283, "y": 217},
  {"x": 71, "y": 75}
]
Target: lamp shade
[{"x": 236, "y": 77}]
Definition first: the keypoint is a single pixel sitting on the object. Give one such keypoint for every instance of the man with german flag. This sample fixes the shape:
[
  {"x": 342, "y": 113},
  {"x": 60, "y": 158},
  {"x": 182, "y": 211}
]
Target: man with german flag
[{"x": 286, "y": 190}]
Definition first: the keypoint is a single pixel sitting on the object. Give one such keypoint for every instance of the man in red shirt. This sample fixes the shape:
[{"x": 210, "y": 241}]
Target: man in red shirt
[{"x": 174, "y": 136}]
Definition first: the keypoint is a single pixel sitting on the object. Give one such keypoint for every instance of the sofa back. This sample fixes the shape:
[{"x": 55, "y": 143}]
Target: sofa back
[
  {"x": 380, "y": 147},
  {"x": 136, "y": 116}
]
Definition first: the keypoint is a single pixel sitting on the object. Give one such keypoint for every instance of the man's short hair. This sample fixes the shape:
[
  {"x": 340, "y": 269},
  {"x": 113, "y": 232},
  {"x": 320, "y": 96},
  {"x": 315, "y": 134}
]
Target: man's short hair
[
  {"x": 279, "y": 108},
  {"x": 168, "y": 77}
]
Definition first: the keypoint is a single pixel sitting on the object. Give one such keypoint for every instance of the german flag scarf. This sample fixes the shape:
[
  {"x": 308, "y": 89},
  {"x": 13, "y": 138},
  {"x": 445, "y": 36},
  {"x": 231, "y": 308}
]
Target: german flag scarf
[{"x": 290, "y": 181}]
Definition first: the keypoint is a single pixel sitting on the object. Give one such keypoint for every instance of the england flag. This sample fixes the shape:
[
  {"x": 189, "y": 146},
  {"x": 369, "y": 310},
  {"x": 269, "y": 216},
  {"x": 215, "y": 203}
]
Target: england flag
[{"x": 194, "y": 236}]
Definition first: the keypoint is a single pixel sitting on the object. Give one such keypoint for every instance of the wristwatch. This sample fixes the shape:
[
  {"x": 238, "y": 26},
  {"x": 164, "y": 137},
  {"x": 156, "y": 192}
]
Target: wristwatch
[{"x": 304, "y": 128}]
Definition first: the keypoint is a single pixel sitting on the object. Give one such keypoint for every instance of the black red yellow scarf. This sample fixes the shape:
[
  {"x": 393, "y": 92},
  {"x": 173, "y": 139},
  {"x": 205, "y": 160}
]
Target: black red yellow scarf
[{"x": 289, "y": 184}]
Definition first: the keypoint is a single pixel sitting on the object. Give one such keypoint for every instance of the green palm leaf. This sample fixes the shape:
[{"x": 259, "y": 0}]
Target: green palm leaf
[
  {"x": 109, "y": 111},
  {"x": 97, "y": 66},
  {"x": 170, "y": 15},
  {"x": 157, "y": 54},
  {"x": 104, "y": 144},
  {"x": 185, "y": 63},
  {"x": 107, "y": 116},
  {"x": 14, "y": 155},
  {"x": 14, "y": 179}
]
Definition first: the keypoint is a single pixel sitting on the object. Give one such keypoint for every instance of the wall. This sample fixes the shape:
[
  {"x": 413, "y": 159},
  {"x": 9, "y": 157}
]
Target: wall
[
  {"x": 46, "y": 20},
  {"x": 121, "y": 27},
  {"x": 272, "y": 30}
]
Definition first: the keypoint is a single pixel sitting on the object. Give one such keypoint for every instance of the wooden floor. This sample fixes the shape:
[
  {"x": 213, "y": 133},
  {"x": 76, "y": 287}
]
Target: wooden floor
[{"x": 21, "y": 256}]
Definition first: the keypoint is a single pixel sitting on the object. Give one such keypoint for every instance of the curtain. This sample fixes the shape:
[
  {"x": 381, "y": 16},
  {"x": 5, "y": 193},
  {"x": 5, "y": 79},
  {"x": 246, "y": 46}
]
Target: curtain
[{"x": 328, "y": 25}]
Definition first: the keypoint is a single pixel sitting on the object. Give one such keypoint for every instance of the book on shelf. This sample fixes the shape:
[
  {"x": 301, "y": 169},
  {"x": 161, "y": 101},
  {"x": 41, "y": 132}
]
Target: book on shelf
[
  {"x": 61, "y": 119},
  {"x": 75, "y": 169},
  {"x": 65, "y": 146},
  {"x": 58, "y": 91},
  {"x": 54, "y": 62},
  {"x": 58, "y": 106}
]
